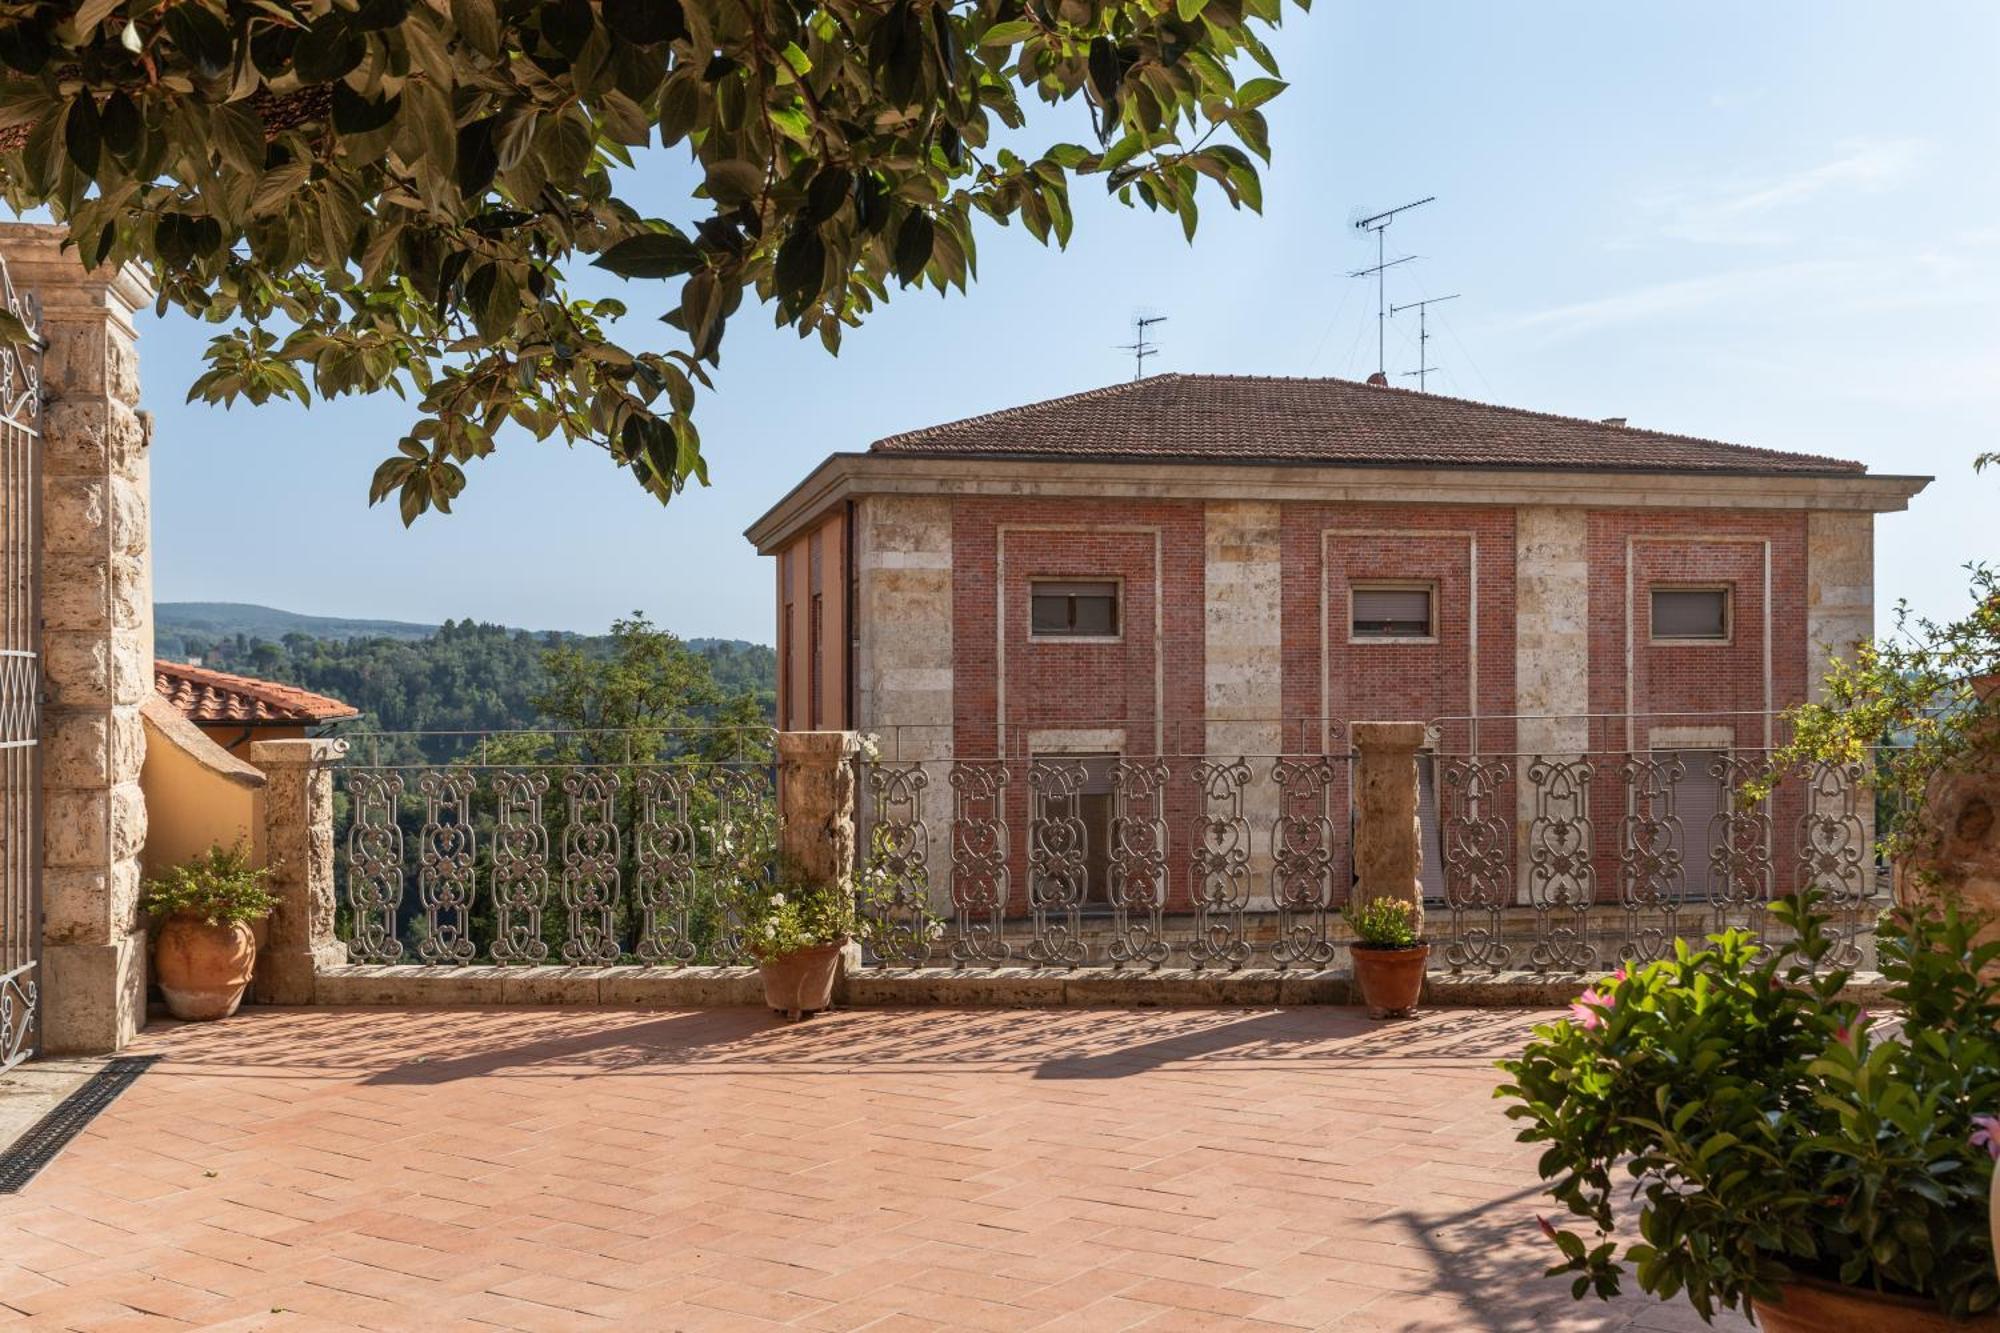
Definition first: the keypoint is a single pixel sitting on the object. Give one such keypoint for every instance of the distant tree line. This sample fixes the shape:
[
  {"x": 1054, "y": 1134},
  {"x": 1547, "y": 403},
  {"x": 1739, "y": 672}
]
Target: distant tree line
[{"x": 477, "y": 677}]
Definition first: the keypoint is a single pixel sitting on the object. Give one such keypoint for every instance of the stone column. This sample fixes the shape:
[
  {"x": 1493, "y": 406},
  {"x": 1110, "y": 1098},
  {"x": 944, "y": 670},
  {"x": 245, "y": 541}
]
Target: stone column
[
  {"x": 1388, "y": 846},
  {"x": 1243, "y": 661},
  {"x": 97, "y": 641},
  {"x": 816, "y": 804},
  {"x": 295, "y": 839}
]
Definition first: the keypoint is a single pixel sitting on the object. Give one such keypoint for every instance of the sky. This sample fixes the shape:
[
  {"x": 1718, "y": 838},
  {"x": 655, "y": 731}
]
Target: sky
[{"x": 1775, "y": 224}]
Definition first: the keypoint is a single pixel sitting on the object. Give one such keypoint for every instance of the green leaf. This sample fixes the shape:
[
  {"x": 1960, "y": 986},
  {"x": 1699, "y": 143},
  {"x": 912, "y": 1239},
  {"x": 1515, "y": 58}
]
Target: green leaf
[
  {"x": 201, "y": 37},
  {"x": 1010, "y": 33},
  {"x": 653, "y": 254},
  {"x": 81, "y": 133},
  {"x": 478, "y": 21},
  {"x": 645, "y": 22},
  {"x": 914, "y": 242},
  {"x": 1257, "y": 92}
]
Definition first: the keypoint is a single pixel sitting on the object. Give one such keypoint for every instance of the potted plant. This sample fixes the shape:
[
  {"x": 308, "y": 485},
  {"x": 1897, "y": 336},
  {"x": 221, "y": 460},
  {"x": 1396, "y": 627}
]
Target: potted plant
[
  {"x": 203, "y": 948},
  {"x": 798, "y": 932},
  {"x": 1789, "y": 1155},
  {"x": 1389, "y": 954}
]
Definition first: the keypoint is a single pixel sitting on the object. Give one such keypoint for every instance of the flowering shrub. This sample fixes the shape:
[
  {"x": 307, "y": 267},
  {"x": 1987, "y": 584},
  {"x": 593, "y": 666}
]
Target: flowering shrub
[
  {"x": 1770, "y": 1129},
  {"x": 220, "y": 887},
  {"x": 1385, "y": 923}
]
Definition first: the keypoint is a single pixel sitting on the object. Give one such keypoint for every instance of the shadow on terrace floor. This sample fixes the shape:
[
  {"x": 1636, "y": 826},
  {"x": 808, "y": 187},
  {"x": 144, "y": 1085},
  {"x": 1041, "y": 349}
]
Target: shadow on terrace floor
[{"x": 431, "y": 1046}]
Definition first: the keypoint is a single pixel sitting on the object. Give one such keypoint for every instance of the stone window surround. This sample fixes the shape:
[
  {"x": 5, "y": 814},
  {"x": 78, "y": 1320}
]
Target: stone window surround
[
  {"x": 1118, "y": 604},
  {"x": 1426, "y": 586},
  {"x": 1727, "y": 639}
]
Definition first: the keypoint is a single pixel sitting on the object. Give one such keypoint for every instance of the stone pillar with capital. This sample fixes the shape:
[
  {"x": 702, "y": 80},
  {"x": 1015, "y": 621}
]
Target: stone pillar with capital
[
  {"x": 97, "y": 640},
  {"x": 816, "y": 804},
  {"x": 1388, "y": 846},
  {"x": 295, "y": 839}
]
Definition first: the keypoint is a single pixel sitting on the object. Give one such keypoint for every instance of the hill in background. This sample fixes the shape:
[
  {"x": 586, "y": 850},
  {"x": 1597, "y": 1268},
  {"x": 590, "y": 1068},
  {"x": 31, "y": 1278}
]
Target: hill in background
[{"x": 458, "y": 676}]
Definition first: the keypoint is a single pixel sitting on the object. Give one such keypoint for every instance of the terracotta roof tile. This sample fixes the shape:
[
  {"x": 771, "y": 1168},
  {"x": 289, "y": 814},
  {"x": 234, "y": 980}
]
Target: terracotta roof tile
[
  {"x": 206, "y": 696},
  {"x": 1267, "y": 419}
]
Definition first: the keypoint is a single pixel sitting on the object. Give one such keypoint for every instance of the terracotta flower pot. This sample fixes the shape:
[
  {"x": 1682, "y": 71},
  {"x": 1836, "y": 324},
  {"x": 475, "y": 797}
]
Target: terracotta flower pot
[
  {"x": 202, "y": 969},
  {"x": 801, "y": 983},
  {"x": 1391, "y": 980},
  {"x": 1824, "y": 1307}
]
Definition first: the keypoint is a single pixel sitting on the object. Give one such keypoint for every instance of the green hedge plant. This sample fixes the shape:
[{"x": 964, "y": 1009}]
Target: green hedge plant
[
  {"x": 220, "y": 887},
  {"x": 1769, "y": 1130}
]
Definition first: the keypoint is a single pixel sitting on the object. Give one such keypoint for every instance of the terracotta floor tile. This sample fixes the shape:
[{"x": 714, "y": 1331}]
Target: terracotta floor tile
[{"x": 1071, "y": 1170}]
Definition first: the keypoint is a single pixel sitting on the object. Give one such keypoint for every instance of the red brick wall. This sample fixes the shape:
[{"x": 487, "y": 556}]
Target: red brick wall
[
  {"x": 1698, "y": 684},
  {"x": 1397, "y": 681}
]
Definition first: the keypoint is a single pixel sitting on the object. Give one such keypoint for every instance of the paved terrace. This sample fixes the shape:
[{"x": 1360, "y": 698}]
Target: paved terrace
[{"x": 883, "y": 1169}]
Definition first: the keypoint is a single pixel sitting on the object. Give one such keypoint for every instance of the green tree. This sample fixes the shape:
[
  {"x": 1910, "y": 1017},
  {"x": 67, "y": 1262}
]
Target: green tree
[
  {"x": 642, "y": 697},
  {"x": 377, "y": 194}
]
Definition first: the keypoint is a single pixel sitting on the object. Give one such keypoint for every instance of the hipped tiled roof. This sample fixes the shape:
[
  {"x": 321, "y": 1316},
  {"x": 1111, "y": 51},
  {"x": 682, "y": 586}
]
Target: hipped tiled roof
[
  {"x": 205, "y": 696},
  {"x": 1267, "y": 419}
]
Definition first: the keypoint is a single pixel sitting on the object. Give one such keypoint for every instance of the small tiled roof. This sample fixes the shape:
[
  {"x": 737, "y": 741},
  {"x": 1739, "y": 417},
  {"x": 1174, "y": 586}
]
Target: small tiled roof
[
  {"x": 1269, "y": 419},
  {"x": 205, "y": 696}
]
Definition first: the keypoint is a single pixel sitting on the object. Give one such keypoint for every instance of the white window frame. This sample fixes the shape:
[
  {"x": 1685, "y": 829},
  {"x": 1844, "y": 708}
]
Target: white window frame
[
  {"x": 1428, "y": 587},
  {"x": 1728, "y": 592},
  {"x": 1117, "y": 582}
]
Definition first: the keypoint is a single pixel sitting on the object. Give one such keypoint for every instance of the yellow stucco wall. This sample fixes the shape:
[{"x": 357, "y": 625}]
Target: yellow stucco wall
[{"x": 198, "y": 795}]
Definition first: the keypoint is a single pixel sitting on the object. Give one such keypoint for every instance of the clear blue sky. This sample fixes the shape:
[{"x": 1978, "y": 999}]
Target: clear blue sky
[{"x": 1777, "y": 224}]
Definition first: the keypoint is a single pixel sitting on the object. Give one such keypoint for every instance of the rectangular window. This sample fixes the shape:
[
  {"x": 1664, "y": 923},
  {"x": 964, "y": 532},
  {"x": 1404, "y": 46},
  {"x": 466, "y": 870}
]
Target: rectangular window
[
  {"x": 1092, "y": 806},
  {"x": 815, "y": 650},
  {"x": 785, "y": 687},
  {"x": 1393, "y": 611},
  {"x": 1073, "y": 610},
  {"x": 1696, "y": 614}
]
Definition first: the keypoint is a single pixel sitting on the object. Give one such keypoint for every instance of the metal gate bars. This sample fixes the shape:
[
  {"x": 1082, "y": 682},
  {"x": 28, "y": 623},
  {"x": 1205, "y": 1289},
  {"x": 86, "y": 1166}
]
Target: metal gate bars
[{"x": 20, "y": 672}]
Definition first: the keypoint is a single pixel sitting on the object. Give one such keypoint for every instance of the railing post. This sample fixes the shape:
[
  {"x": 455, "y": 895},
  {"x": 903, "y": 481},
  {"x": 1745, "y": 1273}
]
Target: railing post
[
  {"x": 816, "y": 804},
  {"x": 295, "y": 835},
  {"x": 1388, "y": 848}
]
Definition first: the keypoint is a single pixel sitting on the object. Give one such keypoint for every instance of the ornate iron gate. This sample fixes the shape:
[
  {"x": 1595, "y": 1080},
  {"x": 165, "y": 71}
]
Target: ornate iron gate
[{"x": 20, "y": 671}]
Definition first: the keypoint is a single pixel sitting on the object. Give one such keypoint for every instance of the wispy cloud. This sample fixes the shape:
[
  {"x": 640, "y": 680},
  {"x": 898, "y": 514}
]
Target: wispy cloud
[
  {"x": 1683, "y": 296},
  {"x": 1755, "y": 211}
]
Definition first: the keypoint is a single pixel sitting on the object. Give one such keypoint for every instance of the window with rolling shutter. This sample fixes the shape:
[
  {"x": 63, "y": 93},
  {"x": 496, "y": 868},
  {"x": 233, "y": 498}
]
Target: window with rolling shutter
[
  {"x": 1691, "y": 614},
  {"x": 1393, "y": 611},
  {"x": 1073, "y": 609}
]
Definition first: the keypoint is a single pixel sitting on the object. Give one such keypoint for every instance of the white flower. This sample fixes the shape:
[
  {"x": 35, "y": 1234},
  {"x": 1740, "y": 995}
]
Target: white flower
[{"x": 777, "y": 900}]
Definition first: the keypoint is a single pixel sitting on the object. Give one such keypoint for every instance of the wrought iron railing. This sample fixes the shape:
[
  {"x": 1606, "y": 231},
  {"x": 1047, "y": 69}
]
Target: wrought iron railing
[
  {"x": 576, "y": 847},
  {"x": 598, "y": 849},
  {"x": 1589, "y": 859}
]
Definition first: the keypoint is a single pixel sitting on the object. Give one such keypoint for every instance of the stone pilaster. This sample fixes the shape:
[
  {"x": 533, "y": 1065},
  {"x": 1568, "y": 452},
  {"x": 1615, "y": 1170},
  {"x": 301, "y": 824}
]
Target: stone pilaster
[
  {"x": 1243, "y": 656},
  {"x": 1840, "y": 590},
  {"x": 1388, "y": 844},
  {"x": 816, "y": 804},
  {"x": 295, "y": 839},
  {"x": 97, "y": 620}
]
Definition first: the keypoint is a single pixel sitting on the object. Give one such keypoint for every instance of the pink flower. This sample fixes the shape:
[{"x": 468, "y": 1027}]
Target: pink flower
[
  {"x": 1590, "y": 1008},
  {"x": 1846, "y": 1034},
  {"x": 1986, "y": 1134},
  {"x": 1619, "y": 975},
  {"x": 1548, "y": 1228}
]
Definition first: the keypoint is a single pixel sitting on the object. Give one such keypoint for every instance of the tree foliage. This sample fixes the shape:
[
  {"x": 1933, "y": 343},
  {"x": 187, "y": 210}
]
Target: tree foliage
[{"x": 375, "y": 194}]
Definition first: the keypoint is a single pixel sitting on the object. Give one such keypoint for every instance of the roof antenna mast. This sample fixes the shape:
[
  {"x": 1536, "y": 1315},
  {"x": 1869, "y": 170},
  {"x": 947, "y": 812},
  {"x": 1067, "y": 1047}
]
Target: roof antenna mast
[
  {"x": 1142, "y": 346},
  {"x": 1379, "y": 224},
  {"x": 1423, "y": 370}
]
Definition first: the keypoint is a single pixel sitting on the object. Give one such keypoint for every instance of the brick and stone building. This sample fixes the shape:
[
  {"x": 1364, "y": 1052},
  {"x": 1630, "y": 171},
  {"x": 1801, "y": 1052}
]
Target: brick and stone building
[{"x": 1221, "y": 565}]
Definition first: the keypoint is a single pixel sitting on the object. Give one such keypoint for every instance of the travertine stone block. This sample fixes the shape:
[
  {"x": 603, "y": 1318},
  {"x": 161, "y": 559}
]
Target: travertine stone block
[{"x": 295, "y": 840}]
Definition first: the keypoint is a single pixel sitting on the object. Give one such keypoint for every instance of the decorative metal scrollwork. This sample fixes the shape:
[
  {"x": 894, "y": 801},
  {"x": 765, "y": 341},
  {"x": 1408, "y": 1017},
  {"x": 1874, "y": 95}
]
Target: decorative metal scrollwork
[
  {"x": 1740, "y": 869},
  {"x": 520, "y": 867},
  {"x": 446, "y": 848},
  {"x": 898, "y": 861},
  {"x": 981, "y": 879},
  {"x": 1302, "y": 848},
  {"x": 743, "y": 812},
  {"x": 1835, "y": 856},
  {"x": 590, "y": 866},
  {"x": 1562, "y": 870},
  {"x": 20, "y": 992},
  {"x": 1651, "y": 877},
  {"x": 1478, "y": 862},
  {"x": 1058, "y": 868},
  {"x": 1219, "y": 866},
  {"x": 663, "y": 873},
  {"x": 375, "y": 866},
  {"x": 1139, "y": 863}
]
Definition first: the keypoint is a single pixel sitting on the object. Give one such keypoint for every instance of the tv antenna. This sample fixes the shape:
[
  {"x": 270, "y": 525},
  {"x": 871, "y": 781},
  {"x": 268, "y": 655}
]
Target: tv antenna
[
  {"x": 1379, "y": 224},
  {"x": 1423, "y": 370},
  {"x": 1142, "y": 346}
]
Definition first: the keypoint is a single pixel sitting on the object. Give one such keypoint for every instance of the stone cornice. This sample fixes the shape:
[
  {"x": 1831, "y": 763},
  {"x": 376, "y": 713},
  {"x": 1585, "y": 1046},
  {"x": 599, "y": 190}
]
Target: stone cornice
[{"x": 845, "y": 476}]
